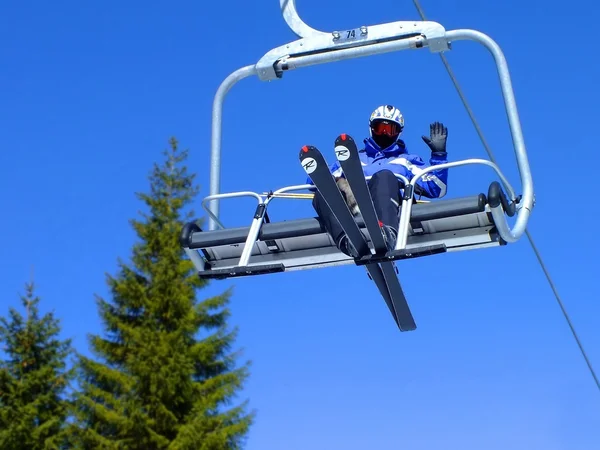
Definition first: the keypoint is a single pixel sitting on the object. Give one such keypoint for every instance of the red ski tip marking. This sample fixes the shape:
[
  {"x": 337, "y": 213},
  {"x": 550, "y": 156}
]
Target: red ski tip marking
[
  {"x": 305, "y": 149},
  {"x": 380, "y": 223},
  {"x": 343, "y": 136}
]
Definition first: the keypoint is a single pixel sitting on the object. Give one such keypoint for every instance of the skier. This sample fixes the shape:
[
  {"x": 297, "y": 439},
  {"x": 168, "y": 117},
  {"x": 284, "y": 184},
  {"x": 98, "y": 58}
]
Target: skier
[{"x": 384, "y": 157}]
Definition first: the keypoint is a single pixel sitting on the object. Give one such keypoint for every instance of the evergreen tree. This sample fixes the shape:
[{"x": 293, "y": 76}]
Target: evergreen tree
[
  {"x": 160, "y": 384},
  {"x": 33, "y": 379}
]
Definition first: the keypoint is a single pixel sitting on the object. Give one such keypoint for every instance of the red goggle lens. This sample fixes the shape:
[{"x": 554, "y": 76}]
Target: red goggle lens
[{"x": 385, "y": 127}]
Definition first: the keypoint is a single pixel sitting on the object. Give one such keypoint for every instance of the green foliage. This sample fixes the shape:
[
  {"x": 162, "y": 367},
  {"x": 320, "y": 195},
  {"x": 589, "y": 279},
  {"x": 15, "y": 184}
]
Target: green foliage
[
  {"x": 160, "y": 385},
  {"x": 33, "y": 379}
]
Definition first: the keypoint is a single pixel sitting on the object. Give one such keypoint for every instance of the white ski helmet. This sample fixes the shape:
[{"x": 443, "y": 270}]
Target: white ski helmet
[{"x": 386, "y": 113}]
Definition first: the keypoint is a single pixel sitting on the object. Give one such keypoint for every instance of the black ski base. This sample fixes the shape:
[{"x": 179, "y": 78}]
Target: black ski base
[
  {"x": 396, "y": 255},
  {"x": 241, "y": 271},
  {"x": 384, "y": 273}
]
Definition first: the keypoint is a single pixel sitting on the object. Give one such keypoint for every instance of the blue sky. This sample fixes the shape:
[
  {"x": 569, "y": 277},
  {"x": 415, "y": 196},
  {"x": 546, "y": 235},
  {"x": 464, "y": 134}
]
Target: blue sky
[{"x": 92, "y": 92}]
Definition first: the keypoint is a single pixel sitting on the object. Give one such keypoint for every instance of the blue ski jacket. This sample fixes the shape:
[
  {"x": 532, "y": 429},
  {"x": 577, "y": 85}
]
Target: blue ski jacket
[{"x": 397, "y": 159}]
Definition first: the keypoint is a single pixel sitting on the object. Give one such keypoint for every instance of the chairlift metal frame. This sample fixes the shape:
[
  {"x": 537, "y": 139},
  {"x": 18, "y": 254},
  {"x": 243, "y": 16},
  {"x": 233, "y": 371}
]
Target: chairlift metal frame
[{"x": 459, "y": 224}]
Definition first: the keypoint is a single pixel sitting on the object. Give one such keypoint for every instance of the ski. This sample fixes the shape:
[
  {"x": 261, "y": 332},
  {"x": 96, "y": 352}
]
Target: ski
[
  {"x": 316, "y": 167},
  {"x": 347, "y": 154}
]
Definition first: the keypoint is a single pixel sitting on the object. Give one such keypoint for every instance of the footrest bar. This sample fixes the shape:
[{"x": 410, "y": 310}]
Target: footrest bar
[
  {"x": 395, "y": 255},
  {"x": 241, "y": 271}
]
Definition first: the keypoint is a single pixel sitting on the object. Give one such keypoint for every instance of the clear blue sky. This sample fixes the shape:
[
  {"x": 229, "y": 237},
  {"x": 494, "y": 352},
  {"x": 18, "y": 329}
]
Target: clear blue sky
[{"x": 91, "y": 93}]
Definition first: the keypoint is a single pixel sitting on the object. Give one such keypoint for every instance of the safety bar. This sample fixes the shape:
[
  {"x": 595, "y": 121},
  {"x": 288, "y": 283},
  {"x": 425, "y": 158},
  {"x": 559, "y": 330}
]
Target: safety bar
[
  {"x": 227, "y": 195},
  {"x": 497, "y": 213},
  {"x": 318, "y": 47},
  {"x": 259, "y": 215},
  {"x": 262, "y": 198}
]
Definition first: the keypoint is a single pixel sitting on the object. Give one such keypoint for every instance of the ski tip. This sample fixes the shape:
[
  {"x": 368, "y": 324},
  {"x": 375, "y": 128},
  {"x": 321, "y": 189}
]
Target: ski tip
[
  {"x": 308, "y": 149},
  {"x": 305, "y": 150},
  {"x": 310, "y": 158},
  {"x": 344, "y": 138},
  {"x": 344, "y": 147}
]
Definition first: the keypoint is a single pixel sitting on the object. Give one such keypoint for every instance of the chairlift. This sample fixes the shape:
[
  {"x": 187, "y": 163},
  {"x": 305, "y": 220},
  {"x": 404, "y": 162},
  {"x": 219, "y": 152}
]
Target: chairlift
[{"x": 425, "y": 228}]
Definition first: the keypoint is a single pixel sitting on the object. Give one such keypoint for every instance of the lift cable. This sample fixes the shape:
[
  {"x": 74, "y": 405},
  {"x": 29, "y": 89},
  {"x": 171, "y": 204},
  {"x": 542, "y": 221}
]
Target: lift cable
[{"x": 533, "y": 246}]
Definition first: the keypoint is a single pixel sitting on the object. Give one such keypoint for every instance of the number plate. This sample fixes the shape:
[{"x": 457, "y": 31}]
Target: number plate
[{"x": 350, "y": 35}]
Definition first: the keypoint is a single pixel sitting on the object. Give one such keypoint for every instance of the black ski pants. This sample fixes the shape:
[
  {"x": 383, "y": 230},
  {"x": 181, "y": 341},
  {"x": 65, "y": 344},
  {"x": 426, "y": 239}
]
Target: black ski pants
[{"x": 384, "y": 188}]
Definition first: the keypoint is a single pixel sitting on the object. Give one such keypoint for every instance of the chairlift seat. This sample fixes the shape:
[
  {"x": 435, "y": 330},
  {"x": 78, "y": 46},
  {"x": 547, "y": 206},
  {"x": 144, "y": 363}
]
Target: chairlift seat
[{"x": 442, "y": 225}]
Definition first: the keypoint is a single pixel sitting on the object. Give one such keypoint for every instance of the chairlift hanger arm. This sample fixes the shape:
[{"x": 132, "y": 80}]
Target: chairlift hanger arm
[{"x": 290, "y": 14}]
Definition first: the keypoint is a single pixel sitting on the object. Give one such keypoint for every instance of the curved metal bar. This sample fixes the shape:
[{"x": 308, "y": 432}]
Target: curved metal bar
[
  {"x": 213, "y": 216},
  {"x": 405, "y": 214},
  {"x": 215, "y": 144},
  {"x": 465, "y": 162},
  {"x": 297, "y": 187},
  {"x": 290, "y": 14},
  {"x": 502, "y": 225},
  {"x": 403, "y": 178},
  {"x": 526, "y": 203}
]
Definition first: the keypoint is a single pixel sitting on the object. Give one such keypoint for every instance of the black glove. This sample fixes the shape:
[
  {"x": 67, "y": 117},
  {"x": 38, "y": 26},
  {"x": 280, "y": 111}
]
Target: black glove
[{"x": 437, "y": 141}]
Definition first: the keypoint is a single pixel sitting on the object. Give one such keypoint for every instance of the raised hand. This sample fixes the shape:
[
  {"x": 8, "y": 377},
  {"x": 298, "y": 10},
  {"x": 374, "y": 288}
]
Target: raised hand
[{"x": 438, "y": 136}]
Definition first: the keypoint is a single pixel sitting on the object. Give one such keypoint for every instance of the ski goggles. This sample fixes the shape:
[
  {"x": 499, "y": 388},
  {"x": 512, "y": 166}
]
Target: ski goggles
[{"x": 385, "y": 127}]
